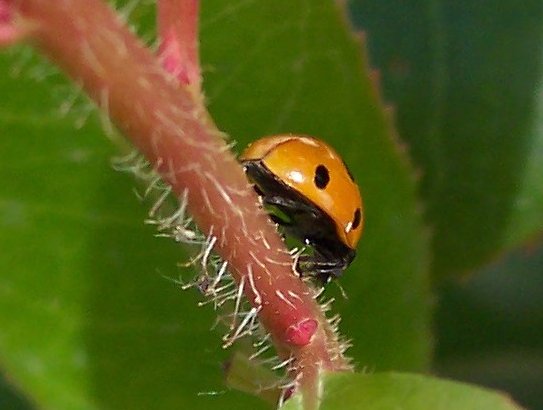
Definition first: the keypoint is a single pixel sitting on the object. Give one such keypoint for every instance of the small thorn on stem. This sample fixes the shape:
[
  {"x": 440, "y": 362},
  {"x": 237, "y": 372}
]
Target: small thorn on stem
[
  {"x": 287, "y": 394},
  {"x": 301, "y": 333},
  {"x": 11, "y": 28},
  {"x": 178, "y": 29}
]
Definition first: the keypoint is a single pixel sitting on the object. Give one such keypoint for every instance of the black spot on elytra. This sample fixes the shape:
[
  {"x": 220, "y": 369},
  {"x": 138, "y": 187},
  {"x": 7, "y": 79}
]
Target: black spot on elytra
[
  {"x": 322, "y": 177},
  {"x": 357, "y": 218}
]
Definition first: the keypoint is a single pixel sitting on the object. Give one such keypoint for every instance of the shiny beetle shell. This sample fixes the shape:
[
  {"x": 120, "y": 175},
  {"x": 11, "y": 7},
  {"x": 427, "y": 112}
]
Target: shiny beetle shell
[{"x": 308, "y": 177}]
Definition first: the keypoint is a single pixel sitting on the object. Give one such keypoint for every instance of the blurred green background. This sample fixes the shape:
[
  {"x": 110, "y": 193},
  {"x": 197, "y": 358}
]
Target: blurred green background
[
  {"x": 465, "y": 79},
  {"x": 449, "y": 276}
]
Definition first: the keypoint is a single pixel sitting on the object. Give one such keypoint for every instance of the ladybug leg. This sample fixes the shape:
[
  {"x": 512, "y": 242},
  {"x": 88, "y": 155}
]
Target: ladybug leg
[{"x": 323, "y": 269}]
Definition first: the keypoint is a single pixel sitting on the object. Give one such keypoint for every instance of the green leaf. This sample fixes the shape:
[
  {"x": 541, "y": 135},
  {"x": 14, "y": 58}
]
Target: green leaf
[
  {"x": 301, "y": 71},
  {"x": 466, "y": 80},
  {"x": 383, "y": 391},
  {"x": 10, "y": 398},
  {"x": 488, "y": 326},
  {"x": 253, "y": 377},
  {"x": 88, "y": 320},
  {"x": 88, "y": 317}
]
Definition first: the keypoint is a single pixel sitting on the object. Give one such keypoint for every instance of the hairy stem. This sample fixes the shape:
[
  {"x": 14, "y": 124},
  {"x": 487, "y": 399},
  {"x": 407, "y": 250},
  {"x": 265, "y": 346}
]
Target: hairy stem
[{"x": 166, "y": 120}]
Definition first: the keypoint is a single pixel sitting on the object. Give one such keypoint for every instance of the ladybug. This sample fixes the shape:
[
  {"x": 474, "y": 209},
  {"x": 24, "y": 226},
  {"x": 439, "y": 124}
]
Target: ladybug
[{"x": 311, "y": 193}]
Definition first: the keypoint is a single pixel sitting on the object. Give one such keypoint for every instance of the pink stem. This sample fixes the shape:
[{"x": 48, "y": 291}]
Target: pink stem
[
  {"x": 178, "y": 32},
  {"x": 168, "y": 123}
]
